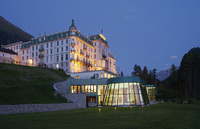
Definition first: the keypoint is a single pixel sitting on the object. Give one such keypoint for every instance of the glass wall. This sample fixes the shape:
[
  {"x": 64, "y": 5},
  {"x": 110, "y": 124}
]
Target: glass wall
[
  {"x": 151, "y": 92},
  {"x": 101, "y": 93},
  {"x": 123, "y": 94}
]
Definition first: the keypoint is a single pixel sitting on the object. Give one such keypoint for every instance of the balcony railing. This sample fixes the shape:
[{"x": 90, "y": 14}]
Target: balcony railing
[
  {"x": 72, "y": 43},
  {"x": 41, "y": 49},
  {"x": 41, "y": 55},
  {"x": 73, "y": 50},
  {"x": 84, "y": 48},
  {"x": 104, "y": 55},
  {"x": 87, "y": 56},
  {"x": 81, "y": 53}
]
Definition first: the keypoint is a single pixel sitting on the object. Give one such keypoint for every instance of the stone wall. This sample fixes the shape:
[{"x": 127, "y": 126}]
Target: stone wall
[
  {"x": 78, "y": 99},
  {"x": 31, "y": 108}
]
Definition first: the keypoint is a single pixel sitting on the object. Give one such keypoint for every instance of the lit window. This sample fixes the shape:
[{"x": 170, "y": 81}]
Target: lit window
[
  {"x": 105, "y": 75},
  {"x": 57, "y": 65}
]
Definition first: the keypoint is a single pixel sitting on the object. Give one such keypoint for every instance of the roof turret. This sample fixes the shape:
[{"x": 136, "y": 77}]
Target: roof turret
[{"x": 72, "y": 26}]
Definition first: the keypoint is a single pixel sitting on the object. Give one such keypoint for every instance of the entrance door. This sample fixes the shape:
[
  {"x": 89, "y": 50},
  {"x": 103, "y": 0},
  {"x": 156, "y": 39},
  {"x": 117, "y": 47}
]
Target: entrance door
[{"x": 91, "y": 101}]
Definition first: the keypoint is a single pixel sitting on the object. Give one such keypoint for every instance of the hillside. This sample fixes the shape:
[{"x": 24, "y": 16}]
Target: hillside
[
  {"x": 10, "y": 33},
  {"x": 28, "y": 85},
  {"x": 186, "y": 80}
]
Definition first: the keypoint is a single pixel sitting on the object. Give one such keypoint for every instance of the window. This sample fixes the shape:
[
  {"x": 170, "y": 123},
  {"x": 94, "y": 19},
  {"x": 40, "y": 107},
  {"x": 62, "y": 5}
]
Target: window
[
  {"x": 61, "y": 49},
  {"x": 36, "y": 47},
  {"x": 33, "y": 54},
  {"x": 36, "y": 54},
  {"x": 95, "y": 57},
  {"x": 66, "y": 41},
  {"x": 22, "y": 58},
  {"x": 16, "y": 47},
  {"x": 75, "y": 89},
  {"x": 57, "y": 58},
  {"x": 47, "y": 51},
  {"x": 51, "y": 44},
  {"x": 89, "y": 88},
  {"x": 27, "y": 57},
  {"x": 77, "y": 77},
  {"x": 23, "y": 52},
  {"x": 57, "y": 66},
  {"x": 67, "y": 48},
  {"x": 61, "y": 42},
  {"x": 66, "y": 56},
  {"x": 95, "y": 50},
  {"x": 57, "y": 50},
  {"x": 95, "y": 63},
  {"x": 51, "y": 51},
  {"x": 47, "y": 45},
  {"x": 105, "y": 75},
  {"x": 33, "y": 48},
  {"x": 27, "y": 51},
  {"x": 66, "y": 64},
  {"x": 47, "y": 59},
  {"x": 57, "y": 43},
  {"x": 61, "y": 57}
]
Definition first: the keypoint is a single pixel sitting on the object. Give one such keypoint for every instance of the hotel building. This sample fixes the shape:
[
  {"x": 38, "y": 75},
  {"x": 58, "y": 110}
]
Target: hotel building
[{"x": 78, "y": 55}]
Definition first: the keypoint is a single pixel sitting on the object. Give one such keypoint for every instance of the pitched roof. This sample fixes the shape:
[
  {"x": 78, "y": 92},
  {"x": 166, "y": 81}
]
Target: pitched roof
[{"x": 7, "y": 51}]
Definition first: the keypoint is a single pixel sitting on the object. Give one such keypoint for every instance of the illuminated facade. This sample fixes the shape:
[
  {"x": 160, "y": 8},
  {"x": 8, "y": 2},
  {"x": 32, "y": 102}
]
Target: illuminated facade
[
  {"x": 68, "y": 50},
  {"x": 119, "y": 91}
]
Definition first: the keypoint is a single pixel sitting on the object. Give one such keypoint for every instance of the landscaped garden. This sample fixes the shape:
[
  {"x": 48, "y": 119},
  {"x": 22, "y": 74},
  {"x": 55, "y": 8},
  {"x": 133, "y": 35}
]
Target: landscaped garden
[{"x": 158, "y": 116}]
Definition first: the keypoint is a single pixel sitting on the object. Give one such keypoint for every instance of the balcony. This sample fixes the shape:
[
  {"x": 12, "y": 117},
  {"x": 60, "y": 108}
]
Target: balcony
[
  {"x": 104, "y": 56},
  {"x": 81, "y": 53},
  {"x": 73, "y": 50},
  {"x": 87, "y": 56},
  {"x": 84, "y": 48},
  {"x": 72, "y": 59},
  {"x": 41, "y": 56},
  {"x": 41, "y": 49},
  {"x": 72, "y": 43}
]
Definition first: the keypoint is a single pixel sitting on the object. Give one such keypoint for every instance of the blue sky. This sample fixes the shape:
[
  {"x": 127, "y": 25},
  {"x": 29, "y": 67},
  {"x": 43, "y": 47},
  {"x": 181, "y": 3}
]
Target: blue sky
[{"x": 152, "y": 33}]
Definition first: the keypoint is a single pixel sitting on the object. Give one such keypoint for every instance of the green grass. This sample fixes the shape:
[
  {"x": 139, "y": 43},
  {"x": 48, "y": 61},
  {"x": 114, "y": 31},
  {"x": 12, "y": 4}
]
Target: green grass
[
  {"x": 26, "y": 85},
  {"x": 159, "y": 116}
]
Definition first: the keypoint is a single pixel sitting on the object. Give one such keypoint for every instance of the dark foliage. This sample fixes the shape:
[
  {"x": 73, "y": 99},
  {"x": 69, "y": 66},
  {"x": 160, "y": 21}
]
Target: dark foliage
[{"x": 185, "y": 82}]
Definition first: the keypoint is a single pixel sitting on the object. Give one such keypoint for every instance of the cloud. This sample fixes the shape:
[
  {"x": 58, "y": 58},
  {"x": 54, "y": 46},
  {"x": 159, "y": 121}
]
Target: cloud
[{"x": 173, "y": 57}]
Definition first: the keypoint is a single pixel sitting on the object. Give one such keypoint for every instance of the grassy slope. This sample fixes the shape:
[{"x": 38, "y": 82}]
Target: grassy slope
[
  {"x": 23, "y": 84},
  {"x": 159, "y": 116}
]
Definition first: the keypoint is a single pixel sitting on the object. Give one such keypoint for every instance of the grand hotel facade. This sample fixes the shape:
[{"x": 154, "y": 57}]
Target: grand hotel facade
[
  {"x": 88, "y": 60},
  {"x": 78, "y": 55}
]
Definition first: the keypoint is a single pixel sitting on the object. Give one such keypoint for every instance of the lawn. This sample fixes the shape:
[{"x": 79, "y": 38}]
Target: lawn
[
  {"x": 25, "y": 85},
  {"x": 159, "y": 116}
]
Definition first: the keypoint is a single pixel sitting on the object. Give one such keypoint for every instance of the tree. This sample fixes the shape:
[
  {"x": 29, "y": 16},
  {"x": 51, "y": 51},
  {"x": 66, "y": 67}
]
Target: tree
[
  {"x": 154, "y": 75},
  {"x": 136, "y": 70},
  {"x": 122, "y": 74},
  {"x": 150, "y": 78},
  {"x": 144, "y": 74},
  {"x": 172, "y": 69}
]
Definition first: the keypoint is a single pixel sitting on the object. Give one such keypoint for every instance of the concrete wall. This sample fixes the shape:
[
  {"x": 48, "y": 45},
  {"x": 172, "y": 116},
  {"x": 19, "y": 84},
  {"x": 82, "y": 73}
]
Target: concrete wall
[{"x": 31, "y": 108}]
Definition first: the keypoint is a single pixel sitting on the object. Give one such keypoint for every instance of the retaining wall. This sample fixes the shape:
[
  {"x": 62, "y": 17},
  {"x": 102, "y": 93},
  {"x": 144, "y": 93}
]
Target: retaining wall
[{"x": 31, "y": 108}]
